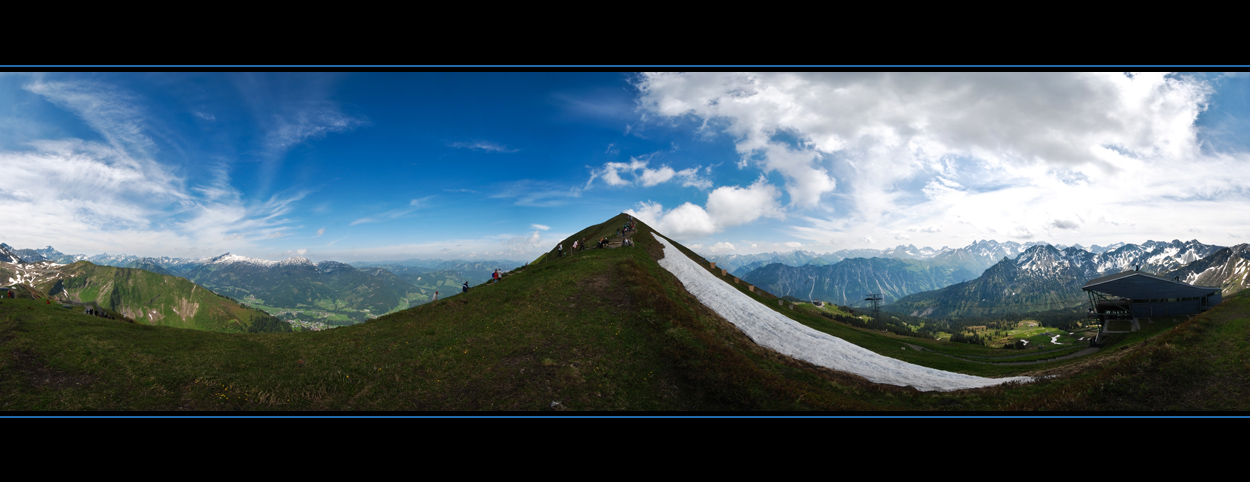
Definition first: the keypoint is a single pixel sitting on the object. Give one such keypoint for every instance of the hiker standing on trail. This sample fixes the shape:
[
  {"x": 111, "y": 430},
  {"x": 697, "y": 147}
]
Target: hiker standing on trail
[
  {"x": 559, "y": 247},
  {"x": 574, "y": 245},
  {"x": 496, "y": 276},
  {"x": 435, "y": 296},
  {"x": 466, "y": 287}
]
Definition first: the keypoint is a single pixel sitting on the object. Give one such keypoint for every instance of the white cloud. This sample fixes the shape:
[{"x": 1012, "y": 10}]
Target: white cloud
[
  {"x": 884, "y": 151},
  {"x": 320, "y": 232},
  {"x": 540, "y": 227},
  {"x": 651, "y": 177},
  {"x": 732, "y": 205},
  {"x": 638, "y": 173},
  {"x": 727, "y": 206},
  {"x": 722, "y": 246}
]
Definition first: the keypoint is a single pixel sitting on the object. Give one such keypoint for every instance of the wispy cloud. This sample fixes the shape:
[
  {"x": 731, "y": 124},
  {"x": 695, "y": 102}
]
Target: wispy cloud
[
  {"x": 90, "y": 197},
  {"x": 533, "y": 193},
  {"x": 311, "y": 122},
  {"x": 486, "y": 146},
  {"x": 413, "y": 206},
  {"x": 110, "y": 111}
]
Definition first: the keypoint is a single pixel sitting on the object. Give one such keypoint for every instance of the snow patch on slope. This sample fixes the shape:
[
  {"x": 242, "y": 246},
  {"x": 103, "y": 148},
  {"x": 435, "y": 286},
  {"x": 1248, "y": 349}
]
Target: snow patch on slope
[{"x": 772, "y": 330}]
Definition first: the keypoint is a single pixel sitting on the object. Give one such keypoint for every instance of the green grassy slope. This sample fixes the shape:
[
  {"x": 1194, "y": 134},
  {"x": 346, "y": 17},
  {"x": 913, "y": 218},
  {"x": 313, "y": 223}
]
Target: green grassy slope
[
  {"x": 599, "y": 330},
  {"x": 150, "y": 298}
]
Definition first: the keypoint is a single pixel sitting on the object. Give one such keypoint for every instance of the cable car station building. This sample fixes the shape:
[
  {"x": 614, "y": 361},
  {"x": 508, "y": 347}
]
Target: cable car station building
[{"x": 1133, "y": 294}]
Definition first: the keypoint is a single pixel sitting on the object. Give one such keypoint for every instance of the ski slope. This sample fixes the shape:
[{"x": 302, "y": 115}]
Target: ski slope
[{"x": 775, "y": 331}]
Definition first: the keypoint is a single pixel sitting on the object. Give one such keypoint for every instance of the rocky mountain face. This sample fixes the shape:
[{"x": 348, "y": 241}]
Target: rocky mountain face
[
  {"x": 8, "y": 255},
  {"x": 847, "y": 281},
  {"x": 1040, "y": 279},
  {"x": 1228, "y": 268}
]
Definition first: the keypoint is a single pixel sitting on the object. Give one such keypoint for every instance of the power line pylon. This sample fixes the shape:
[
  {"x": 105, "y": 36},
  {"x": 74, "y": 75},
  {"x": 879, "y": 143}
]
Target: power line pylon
[{"x": 875, "y": 298}]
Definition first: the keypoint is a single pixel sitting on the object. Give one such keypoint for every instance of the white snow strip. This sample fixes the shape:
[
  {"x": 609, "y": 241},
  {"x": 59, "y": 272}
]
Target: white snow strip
[{"x": 788, "y": 337}]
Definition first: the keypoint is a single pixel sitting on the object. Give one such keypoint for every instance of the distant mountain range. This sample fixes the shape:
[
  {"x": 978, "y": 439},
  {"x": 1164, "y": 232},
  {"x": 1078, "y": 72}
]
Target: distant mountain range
[
  {"x": 1047, "y": 278},
  {"x": 893, "y": 272},
  {"x": 985, "y": 277},
  {"x": 741, "y": 264},
  {"x": 328, "y": 292}
]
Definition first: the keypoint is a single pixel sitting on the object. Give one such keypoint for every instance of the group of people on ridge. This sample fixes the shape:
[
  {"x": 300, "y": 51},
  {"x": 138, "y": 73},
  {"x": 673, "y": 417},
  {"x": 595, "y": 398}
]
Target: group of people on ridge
[
  {"x": 95, "y": 312},
  {"x": 604, "y": 242}
]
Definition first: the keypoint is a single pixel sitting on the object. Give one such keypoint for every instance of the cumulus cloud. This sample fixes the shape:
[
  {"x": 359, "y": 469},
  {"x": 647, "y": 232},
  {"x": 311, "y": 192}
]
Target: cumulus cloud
[
  {"x": 889, "y": 150},
  {"x": 727, "y": 206},
  {"x": 732, "y": 205}
]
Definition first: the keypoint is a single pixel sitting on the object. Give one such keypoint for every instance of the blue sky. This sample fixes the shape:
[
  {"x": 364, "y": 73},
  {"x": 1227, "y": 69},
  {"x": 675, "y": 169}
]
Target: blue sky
[{"x": 372, "y": 166}]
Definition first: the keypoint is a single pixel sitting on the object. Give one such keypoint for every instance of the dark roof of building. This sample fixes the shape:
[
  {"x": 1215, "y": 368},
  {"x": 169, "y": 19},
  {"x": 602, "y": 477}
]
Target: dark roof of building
[{"x": 1138, "y": 285}]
